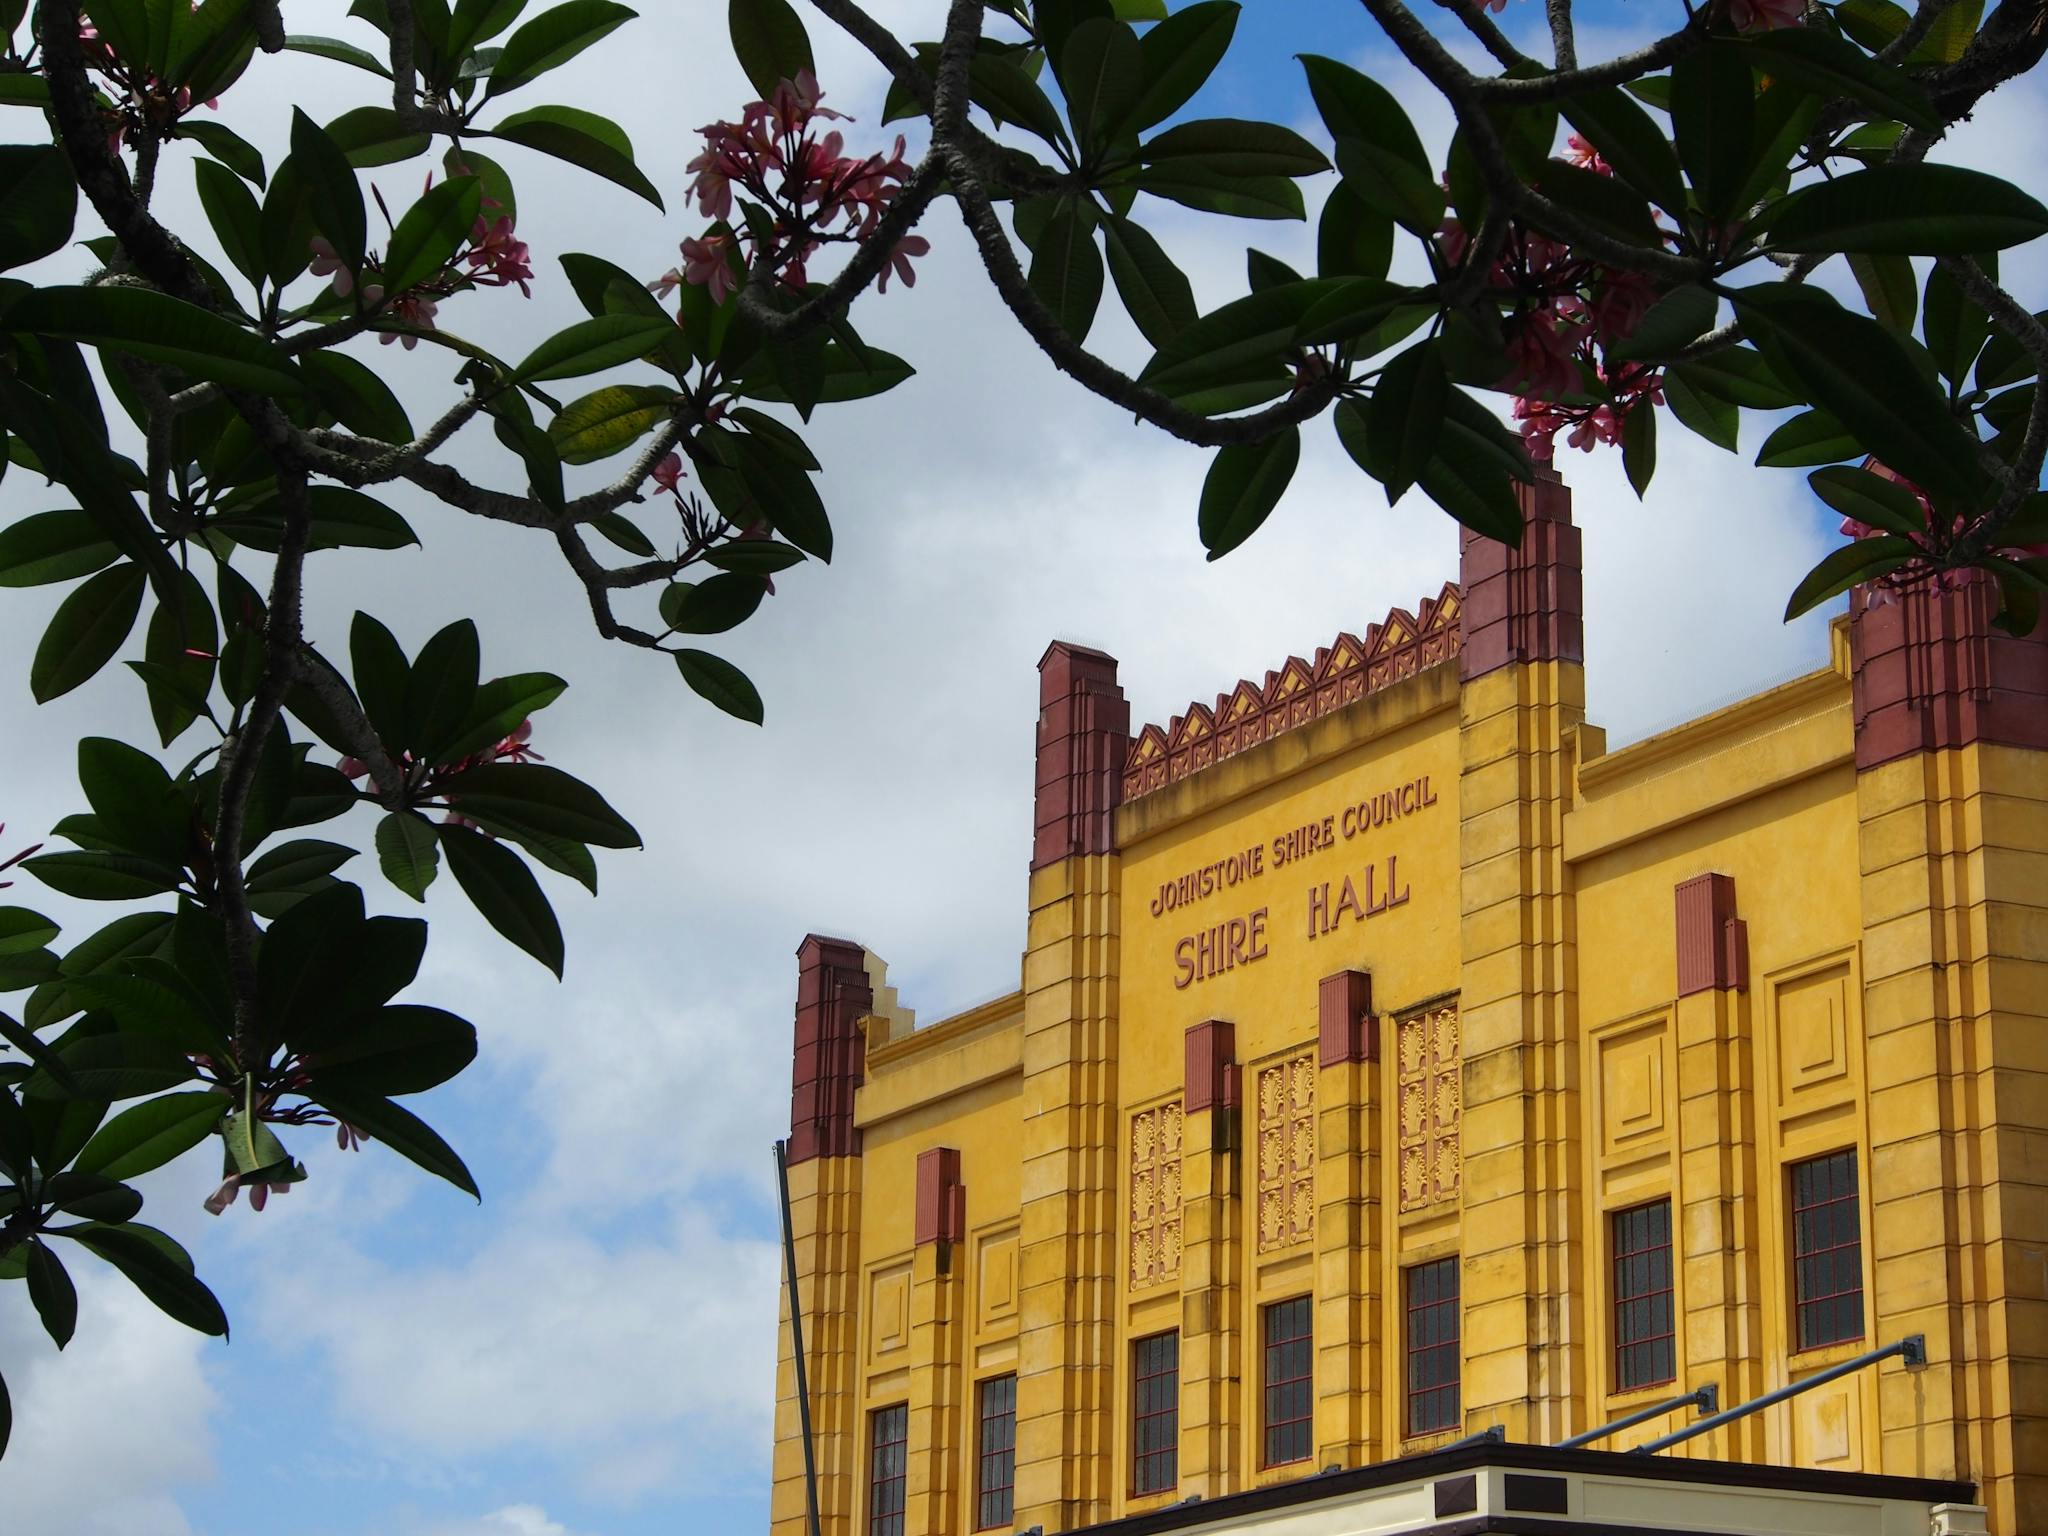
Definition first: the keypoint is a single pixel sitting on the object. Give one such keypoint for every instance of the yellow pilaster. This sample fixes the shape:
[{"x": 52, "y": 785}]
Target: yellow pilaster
[
  {"x": 1523, "y": 1326},
  {"x": 1349, "y": 1254},
  {"x": 825, "y": 1198},
  {"x": 1066, "y": 1335},
  {"x": 934, "y": 1454},
  {"x": 1212, "y": 1344}
]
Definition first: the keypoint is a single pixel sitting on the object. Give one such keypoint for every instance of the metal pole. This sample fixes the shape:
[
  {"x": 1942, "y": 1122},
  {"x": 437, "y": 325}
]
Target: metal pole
[
  {"x": 1493, "y": 1434},
  {"x": 796, "y": 1336},
  {"x": 1707, "y": 1399},
  {"x": 1913, "y": 1349}
]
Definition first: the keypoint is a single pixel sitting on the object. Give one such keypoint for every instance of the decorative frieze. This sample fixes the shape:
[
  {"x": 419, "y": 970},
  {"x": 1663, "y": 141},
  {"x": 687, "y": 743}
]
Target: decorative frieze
[
  {"x": 1155, "y": 1196},
  {"x": 1287, "y": 1152},
  {"x": 1430, "y": 1093}
]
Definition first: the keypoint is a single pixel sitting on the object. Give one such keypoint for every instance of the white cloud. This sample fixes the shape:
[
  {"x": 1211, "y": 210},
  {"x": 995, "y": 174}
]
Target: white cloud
[{"x": 512, "y": 1520}]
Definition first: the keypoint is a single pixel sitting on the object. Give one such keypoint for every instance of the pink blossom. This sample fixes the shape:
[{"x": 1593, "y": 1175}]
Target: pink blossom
[
  {"x": 1541, "y": 355},
  {"x": 1620, "y": 301},
  {"x": 495, "y": 258},
  {"x": 707, "y": 264},
  {"x": 414, "y": 309},
  {"x": 327, "y": 262},
  {"x": 1491, "y": 5},
  {"x": 668, "y": 472},
  {"x": 1582, "y": 153},
  {"x": 1766, "y": 15},
  {"x": 899, "y": 261},
  {"x": 353, "y": 767},
  {"x": 666, "y": 284}
]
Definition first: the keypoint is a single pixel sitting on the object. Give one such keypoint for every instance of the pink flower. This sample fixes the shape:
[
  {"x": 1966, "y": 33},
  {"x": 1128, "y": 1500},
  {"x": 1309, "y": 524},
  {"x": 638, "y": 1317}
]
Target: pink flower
[
  {"x": 1542, "y": 355},
  {"x": 1582, "y": 154},
  {"x": 327, "y": 262},
  {"x": 899, "y": 261},
  {"x": 1766, "y": 15},
  {"x": 416, "y": 310},
  {"x": 1619, "y": 303},
  {"x": 668, "y": 472},
  {"x": 666, "y": 284},
  {"x": 348, "y": 1137},
  {"x": 353, "y": 767},
  {"x": 495, "y": 258},
  {"x": 707, "y": 264}
]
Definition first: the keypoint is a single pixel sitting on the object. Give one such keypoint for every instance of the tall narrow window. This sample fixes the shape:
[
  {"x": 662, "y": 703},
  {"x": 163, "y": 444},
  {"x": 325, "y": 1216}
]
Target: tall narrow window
[
  {"x": 1289, "y": 1353},
  {"x": 888, "y": 1429},
  {"x": 1433, "y": 1357},
  {"x": 1827, "y": 1250},
  {"x": 1155, "y": 1413},
  {"x": 996, "y": 1471},
  {"x": 1645, "y": 1346}
]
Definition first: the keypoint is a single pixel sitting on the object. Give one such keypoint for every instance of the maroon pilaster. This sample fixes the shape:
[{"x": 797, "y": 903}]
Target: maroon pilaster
[
  {"x": 1345, "y": 1027},
  {"x": 941, "y": 1197},
  {"x": 1084, "y": 734},
  {"x": 832, "y": 994},
  {"x": 1212, "y": 1065},
  {"x": 1525, "y": 604},
  {"x": 1713, "y": 943},
  {"x": 1931, "y": 672}
]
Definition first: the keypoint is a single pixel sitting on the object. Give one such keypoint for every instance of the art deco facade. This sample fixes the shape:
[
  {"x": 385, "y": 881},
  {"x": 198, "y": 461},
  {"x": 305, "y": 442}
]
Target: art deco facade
[{"x": 1391, "y": 1060}]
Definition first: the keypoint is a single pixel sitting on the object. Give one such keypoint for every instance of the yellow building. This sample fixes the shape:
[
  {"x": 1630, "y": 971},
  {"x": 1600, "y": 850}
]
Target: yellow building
[{"x": 1392, "y": 1061}]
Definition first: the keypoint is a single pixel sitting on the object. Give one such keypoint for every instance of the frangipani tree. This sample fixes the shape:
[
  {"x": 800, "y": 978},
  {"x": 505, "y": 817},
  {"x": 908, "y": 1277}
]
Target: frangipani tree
[{"x": 1664, "y": 236}]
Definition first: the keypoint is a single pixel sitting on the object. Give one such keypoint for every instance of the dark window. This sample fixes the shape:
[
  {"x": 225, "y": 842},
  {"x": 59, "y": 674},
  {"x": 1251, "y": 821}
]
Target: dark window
[
  {"x": 1433, "y": 1357},
  {"x": 888, "y": 1429},
  {"x": 996, "y": 1474},
  {"x": 1155, "y": 1413},
  {"x": 1827, "y": 1250},
  {"x": 1645, "y": 1348},
  {"x": 1289, "y": 1366}
]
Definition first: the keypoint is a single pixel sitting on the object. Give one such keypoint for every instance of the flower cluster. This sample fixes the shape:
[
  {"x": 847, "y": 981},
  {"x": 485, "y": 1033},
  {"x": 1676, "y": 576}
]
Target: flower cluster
[
  {"x": 145, "y": 101},
  {"x": 514, "y": 748},
  {"x": 9, "y": 863},
  {"x": 1936, "y": 539},
  {"x": 797, "y": 185},
  {"x": 493, "y": 258},
  {"x": 1568, "y": 315}
]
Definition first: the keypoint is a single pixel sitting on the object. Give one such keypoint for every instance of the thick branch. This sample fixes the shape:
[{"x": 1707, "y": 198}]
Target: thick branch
[{"x": 870, "y": 259}]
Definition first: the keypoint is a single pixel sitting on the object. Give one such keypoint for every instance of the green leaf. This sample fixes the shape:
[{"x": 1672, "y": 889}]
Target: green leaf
[
  {"x": 138, "y": 809},
  {"x": 847, "y": 377},
  {"x": 544, "y": 798},
  {"x": 1713, "y": 119},
  {"x": 160, "y": 329},
  {"x": 407, "y": 852},
  {"x": 340, "y": 518},
  {"x": 38, "y": 202},
  {"x": 1404, "y": 423},
  {"x": 24, "y": 91},
  {"x": 1234, "y": 147},
  {"x": 1155, "y": 292},
  {"x": 713, "y": 606},
  {"x": 338, "y": 51},
  {"x": 499, "y": 708},
  {"x": 1066, "y": 268},
  {"x": 337, "y": 202},
  {"x": 1178, "y": 55},
  {"x": 1843, "y": 568},
  {"x": 228, "y": 147},
  {"x": 769, "y": 40},
  {"x": 52, "y": 1293},
  {"x": 755, "y": 557},
  {"x": 169, "y": 1285},
  {"x": 1832, "y": 66},
  {"x": 48, "y": 547},
  {"x": 110, "y": 1067},
  {"x": 1859, "y": 372},
  {"x": 296, "y": 866},
  {"x": 232, "y": 210},
  {"x": 553, "y": 38},
  {"x": 503, "y": 890},
  {"x": 1639, "y": 448},
  {"x": 1352, "y": 238},
  {"x": 999, "y": 85},
  {"x": 1908, "y": 210},
  {"x": 777, "y": 490},
  {"x": 609, "y": 420},
  {"x": 397, "y": 1050},
  {"x": 722, "y": 683},
  {"x": 358, "y": 398},
  {"x": 1869, "y": 498},
  {"x": 1629, "y": 139},
  {"x": 432, "y": 231},
  {"x": 1888, "y": 288},
  {"x": 1244, "y": 484},
  {"x": 88, "y": 628},
  {"x": 590, "y": 345},
  {"x": 1355, "y": 106},
  {"x": 1713, "y": 418},
  {"x": 381, "y": 675},
  {"x": 22, "y": 930},
  {"x": 1102, "y": 74},
  {"x": 441, "y": 689},
  {"x": 373, "y": 136},
  {"x": 474, "y": 22},
  {"x": 145, "y": 1136},
  {"x": 1681, "y": 316},
  {"x": 404, "y": 1133},
  {"x": 1252, "y": 333},
  {"x": 1390, "y": 185},
  {"x": 1955, "y": 324},
  {"x": 1811, "y": 437},
  {"x": 584, "y": 139}
]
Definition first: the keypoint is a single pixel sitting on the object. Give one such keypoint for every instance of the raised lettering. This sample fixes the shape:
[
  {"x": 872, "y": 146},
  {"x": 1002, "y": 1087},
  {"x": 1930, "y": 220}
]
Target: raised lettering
[
  {"x": 1238, "y": 930},
  {"x": 1348, "y": 897},
  {"x": 1184, "y": 962},
  {"x": 1258, "y": 935},
  {"x": 1318, "y": 908}
]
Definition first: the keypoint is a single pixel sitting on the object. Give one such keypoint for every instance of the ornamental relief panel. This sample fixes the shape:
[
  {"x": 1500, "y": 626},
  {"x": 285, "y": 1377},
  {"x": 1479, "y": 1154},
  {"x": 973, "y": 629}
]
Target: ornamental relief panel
[
  {"x": 1287, "y": 1152},
  {"x": 1155, "y": 1205},
  {"x": 1430, "y": 1091}
]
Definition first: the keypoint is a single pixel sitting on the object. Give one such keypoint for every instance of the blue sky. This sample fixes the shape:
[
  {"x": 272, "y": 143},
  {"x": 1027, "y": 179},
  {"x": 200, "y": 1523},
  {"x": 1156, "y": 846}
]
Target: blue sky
[{"x": 589, "y": 1353}]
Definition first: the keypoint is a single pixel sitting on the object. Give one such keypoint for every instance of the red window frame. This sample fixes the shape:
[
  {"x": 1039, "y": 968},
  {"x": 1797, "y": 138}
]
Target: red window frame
[
  {"x": 1827, "y": 1250},
  {"x": 1434, "y": 1401},
  {"x": 888, "y": 1459},
  {"x": 1155, "y": 1413},
  {"x": 1645, "y": 1325},
  {"x": 995, "y": 1474},
  {"x": 1289, "y": 1328}
]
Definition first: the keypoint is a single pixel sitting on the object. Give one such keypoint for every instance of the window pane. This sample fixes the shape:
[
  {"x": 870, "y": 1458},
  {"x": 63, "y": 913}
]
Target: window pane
[
  {"x": 1432, "y": 1344},
  {"x": 1827, "y": 1250},
  {"x": 1287, "y": 1412},
  {"x": 1645, "y": 1350},
  {"x": 888, "y": 1430},
  {"x": 996, "y": 1473},
  {"x": 1155, "y": 1431}
]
